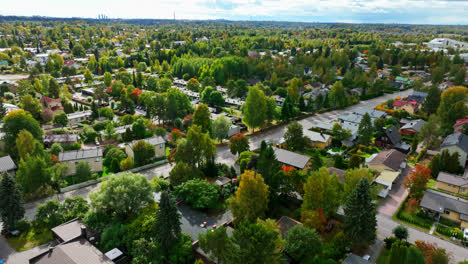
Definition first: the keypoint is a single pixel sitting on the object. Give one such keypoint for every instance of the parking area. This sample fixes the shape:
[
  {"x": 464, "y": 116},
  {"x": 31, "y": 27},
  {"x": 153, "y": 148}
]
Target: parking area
[{"x": 396, "y": 196}]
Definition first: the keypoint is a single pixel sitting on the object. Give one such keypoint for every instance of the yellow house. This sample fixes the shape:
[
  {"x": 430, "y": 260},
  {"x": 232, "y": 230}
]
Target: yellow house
[
  {"x": 157, "y": 142},
  {"x": 410, "y": 106},
  {"x": 447, "y": 206},
  {"x": 91, "y": 156},
  {"x": 318, "y": 140},
  {"x": 452, "y": 183}
]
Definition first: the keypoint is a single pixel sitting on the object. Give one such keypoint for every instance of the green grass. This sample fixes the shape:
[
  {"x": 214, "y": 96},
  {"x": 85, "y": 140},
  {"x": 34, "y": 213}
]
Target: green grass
[
  {"x": 105, "y": 171},
  {"x": 383, "y": 257},
  {"x": 168, "y": 151},
  {"x": 32, "y": 238},
  {"x": 431, "y": 183}
]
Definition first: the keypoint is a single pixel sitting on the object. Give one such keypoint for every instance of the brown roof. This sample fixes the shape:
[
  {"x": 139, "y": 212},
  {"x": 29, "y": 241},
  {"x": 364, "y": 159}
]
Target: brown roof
[
  {"x": 338, "y": 172},
  {"x": 68, "y": 231},
  {"x": 285, "y": 223},
  {"x": 391, "y": 158},
  {"x": 76, "y": 252}
]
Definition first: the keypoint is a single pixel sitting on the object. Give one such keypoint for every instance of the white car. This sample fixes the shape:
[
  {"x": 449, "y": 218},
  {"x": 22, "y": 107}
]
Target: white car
[{"x": 465, "y": 233}]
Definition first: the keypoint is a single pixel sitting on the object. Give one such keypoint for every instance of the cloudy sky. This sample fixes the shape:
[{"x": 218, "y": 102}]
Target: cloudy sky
[{"x": 358, "y": 11}]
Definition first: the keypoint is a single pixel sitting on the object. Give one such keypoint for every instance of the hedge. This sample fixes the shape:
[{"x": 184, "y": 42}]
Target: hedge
[
  {"x": 450, "y": 232},
  {"x": 414, "y": 220}
]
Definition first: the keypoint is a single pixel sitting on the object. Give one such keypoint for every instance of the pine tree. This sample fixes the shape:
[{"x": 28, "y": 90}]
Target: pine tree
[
  {"x": 360, "y": 221},
  {"x": 11, "y": 202},
  {"x": 432, "y": 101},
  {"x": 2, "y": 110},
  {"x": 316, "y": 162},
  {"x": 167, "y": 223},
  {"x": 365, "y": 130}
]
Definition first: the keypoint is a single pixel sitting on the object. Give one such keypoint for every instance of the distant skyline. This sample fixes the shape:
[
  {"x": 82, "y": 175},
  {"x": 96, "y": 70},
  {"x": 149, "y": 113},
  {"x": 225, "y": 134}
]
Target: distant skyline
[{"x": 349, "y": 11}]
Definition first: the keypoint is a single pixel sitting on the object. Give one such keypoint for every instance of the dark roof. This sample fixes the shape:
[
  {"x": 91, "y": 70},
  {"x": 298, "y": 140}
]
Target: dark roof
[
  {"x": 80, "y": 154},
  {"x": 414, "y": 124},
  {"x": 74, "y": 252},
  {"x": 291, "y": 158},
  {"x": 354, "y": 259},
  {"x": 68, "y": 231},
  {"x": 338, "y": 172},
  {"x": 453, "y": 179},
  {"x": 391, "y": 158},
  {"x": 393, "y": 134},
  {"x": 438, "y": 202},
  {"x": 285, "y": 223},
  {"x": 7, "y": 164},
  {"x": 457, "y": 139},
  {"x": 417, "y": 96},
  {"x": 61, "y": 138}
]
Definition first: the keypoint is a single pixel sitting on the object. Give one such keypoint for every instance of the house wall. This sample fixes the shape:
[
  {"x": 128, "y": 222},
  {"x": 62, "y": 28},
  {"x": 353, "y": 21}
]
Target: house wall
[
  {"x": 129, "y": 151},
  {"x": 447, "y": 187},
  {"x": 160, "y": 150},
  {"x": 464, "y": 224},
  {"x": 452, "y": 216},
  {"x": 462, "y": 154},
  {"x": 75, "y": 121},
  {"x": 94, "y": 163}
]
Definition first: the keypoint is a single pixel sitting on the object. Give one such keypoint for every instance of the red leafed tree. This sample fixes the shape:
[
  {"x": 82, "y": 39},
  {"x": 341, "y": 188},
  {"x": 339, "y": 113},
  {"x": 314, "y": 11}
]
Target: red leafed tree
[
  {"x": 287, "y": 169},
  {"x": 432, "y": 254},
  {"x": 238, "y": 144},
  {"x": 416, "y": 182},
  {"x": 412, "y": 204}
]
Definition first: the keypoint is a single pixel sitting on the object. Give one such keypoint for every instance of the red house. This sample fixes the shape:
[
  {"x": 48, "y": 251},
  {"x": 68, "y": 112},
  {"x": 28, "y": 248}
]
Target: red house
[{"x": 459, "y": 124}]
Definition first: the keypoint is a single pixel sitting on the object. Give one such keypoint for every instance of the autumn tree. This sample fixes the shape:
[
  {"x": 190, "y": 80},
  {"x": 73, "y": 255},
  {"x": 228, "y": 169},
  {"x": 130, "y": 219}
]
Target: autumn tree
[
  {"x": 417, "y": 180},
  {"x": 238, "y": 144},
  {"x": 452, "y": 107},
  {"x": 251, "y": 198}
]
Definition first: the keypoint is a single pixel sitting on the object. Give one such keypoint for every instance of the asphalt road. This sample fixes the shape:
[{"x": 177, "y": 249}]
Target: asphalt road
[{"x": 223, "y": 155}]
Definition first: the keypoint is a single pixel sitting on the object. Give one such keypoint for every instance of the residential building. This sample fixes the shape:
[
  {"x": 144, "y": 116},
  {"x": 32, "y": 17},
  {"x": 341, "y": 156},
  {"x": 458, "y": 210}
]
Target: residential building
[
  {"x": 410, "y": 106},
  {"x": 458, "y": 126},
  {"x": 457, "y": 142},
  {"x": 75, "y": 246},
  {"x": 285, "y": 223},
  {"x": 78, "y": 117},
  {"x": 446, "y": 206},
  {"x": 91, "y": 156},
  {"x": 442, "y": 43},
  {"x": 452, "y": 183},
  {"x": 292, "y": 159},
  {"x": 412, "y": 127},
  {"x": 63, "y": 139},
  {"x": 417, "y": 96},
  {"x": 391, "y": 138},
  {"x": 317, "y": 140},
  {"x": 158, "y": 142},
  {"x": 386, "y": 179},
  {"x": 392, "y": 160},
  {"x": 445, "y": 85},
  {"x": 55, "y": 105},
  {"x": 7, "y": 165}
]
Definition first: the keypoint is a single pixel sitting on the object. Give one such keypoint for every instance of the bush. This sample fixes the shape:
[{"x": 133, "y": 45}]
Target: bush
[
  {"x": 74, "y": 146},
  {"x": 23, "y": 225},
  {"x": 160, "y": 184},
  {"x": 450, "y": 232},
  {"x": 415, "y": 220},
  {"x": 100, "y": 126},
  {"x": 199, "y": 194},
  {"x": 389, "y": 242}
]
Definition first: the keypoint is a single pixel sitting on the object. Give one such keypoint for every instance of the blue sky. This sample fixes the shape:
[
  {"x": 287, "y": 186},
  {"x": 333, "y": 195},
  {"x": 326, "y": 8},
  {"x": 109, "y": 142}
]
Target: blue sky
[{"x": 352, "y": 11}]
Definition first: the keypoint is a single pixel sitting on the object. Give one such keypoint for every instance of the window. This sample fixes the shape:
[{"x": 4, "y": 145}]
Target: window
[
  {"x": 97, "y": 159},
  {"x": 446, "y": 212},
  {"x": 161, "y": 145}
]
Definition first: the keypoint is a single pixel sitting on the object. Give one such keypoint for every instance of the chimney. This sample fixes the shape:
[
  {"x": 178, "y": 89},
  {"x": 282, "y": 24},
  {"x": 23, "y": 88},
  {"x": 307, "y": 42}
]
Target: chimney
[
  {"x": 50, "y": 250},
  {"x": 83, "y": 231}
]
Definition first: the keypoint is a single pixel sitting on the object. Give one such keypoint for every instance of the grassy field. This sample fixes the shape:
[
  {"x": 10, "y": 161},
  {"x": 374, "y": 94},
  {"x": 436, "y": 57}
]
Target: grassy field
[{"x": 32, "y": 238}]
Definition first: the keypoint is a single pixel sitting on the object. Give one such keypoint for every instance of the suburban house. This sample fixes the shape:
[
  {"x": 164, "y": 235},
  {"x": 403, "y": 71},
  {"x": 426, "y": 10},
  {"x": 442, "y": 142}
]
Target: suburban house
[
  {"x": 403, "y": 80},
  {"x": 412, "y": 127},
  {"x": 459, "y": 124},
  {"x": 391, "y": 138},
  {"x": 445, "y": 85},
  {"x": 158, "y": 142},
  {"x": 75, "y": 245},
  {"x": 285, "y": 223},
  {"x": 452, "y": 183},
  {"x": 292, "y": 159},
  {"x": 318, "y": 140},
  {"x": 446, "y": 206},
  {"x": 119, "y": 131},
  {"x": 339, "y": 172},
  {"x": 63, "y": 139},
  {"x": 391, "y": 160},
  {"x": 386, "y": 179},
  {"x": 410, "y": 106},
  {"x": 417, "y": 96},
  {"x": 457, "y": 142},
  {"x": 7, "y": 165},
  {"x": 78, "y": 117},
  {"x": 55, "y": 105},
  {"x": 91, "y": 156}
]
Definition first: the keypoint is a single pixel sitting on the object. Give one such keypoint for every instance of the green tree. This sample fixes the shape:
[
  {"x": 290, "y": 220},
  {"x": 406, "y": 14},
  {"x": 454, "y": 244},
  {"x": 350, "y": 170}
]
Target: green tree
[
  {"x": 123, "y": 194},
  {"x": 251, "y": 198},
  {"x": 398, "y": 253},
  {"x": 181, "y": 173},
  {"x": 339, "y": 133},
  {"x": 139, "y": 128},
  {"x": 11, "y": 204},
  {"x": 199, "y": 194},
  {"x": 302, "y": 244},
  {"x": 294, "y": 137},
  {"x": 216, "y": 243},
  {"x": 25, "y": 143},
  {"x": 202, "y": 118},
  {"x": 437, "y": 75},
  {"x": 83, "y": 171},
  {"x": 254, "y": 108},
  {"x": 238, "y": 144},
  {"x": 32, "y": 105},
  {"x": 338, "y": 95},
  {"x": 360, "y": 215},
  {"x": 354, "y": 161},
  {"x": 33, "y": 173},
  {"x": 167, "y": 223},
  {"x": 452, "y": 107},
  {"x": 144, "y": 152},
  {"x": 196, "y": 149},
  {"x": 61, "y": 119},
  {"x": 107, "y": 79},
  {"x": 221, "y": 126},
  {"x": 432, "y": 101},
  {"x": 365, "y": 130},
  {"x": 322, "y": 191},
  {"x": 400, "y": 232}
]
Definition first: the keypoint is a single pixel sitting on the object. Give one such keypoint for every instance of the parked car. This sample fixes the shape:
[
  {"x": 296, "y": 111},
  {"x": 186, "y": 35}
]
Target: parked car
[{"x": 465, "y": 233}]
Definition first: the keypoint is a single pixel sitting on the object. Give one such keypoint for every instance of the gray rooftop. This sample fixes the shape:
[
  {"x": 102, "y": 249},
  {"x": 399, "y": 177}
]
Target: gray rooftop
[
  {"x": 453, "y": 179},
  {"x": 414, "y": 124},
  {"x": 79, "y": 114},
  {"x": 7, "y": 164},
  {"x": 393, "y": 134},
  {"x": 61, "y": 138},
  {"x": 437, "y": 201},
  {"x": 154, "y": 141},
  {"x": 291, "y": 158},
  {"x": 80, "y": 154},
  {"x": 315, "y": 136},
  {"x": 457, "y": 139}
]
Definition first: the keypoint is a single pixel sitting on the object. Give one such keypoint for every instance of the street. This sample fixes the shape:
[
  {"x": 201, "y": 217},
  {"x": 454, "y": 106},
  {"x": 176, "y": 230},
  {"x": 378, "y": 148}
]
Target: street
[{"x": 223, "y": 155}]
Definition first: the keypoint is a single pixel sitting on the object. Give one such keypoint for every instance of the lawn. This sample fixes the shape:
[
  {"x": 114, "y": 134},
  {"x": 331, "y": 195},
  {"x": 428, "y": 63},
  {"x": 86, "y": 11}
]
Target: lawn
[
  {"x": 415, "y": 220},
  {"x": 431, "y": 184},
  {"x": 32, "y": 238},
  {"x": 168, "y": 151}
]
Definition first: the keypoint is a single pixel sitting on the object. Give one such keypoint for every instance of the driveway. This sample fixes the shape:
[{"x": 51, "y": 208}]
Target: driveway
[{"x": 396, "y": 196}]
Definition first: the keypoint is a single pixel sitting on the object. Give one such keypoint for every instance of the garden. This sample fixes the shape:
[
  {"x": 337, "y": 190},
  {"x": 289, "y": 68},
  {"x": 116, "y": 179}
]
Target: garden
[{"x": 413, "y": 216}]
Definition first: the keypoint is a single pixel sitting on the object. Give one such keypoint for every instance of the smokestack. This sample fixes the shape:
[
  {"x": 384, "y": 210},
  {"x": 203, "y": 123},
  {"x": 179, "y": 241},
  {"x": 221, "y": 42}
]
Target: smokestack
[{"x": 83, "y": 231}]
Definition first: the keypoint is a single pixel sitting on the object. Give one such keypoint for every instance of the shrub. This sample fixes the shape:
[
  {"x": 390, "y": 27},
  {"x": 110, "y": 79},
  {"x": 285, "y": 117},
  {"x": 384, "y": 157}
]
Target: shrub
[
  {"x": 23, "y": 225},
  {"x": 389, "y": 242},
  {"x": 160, "y": 184},
  {"x": 199, "y": 194}
]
